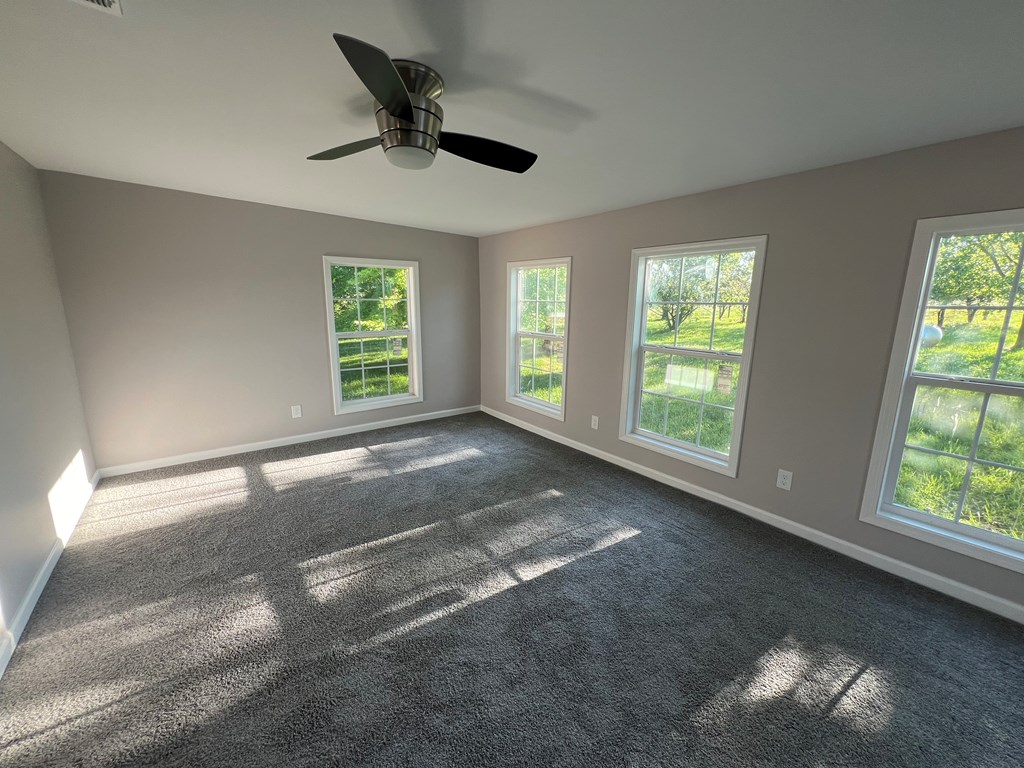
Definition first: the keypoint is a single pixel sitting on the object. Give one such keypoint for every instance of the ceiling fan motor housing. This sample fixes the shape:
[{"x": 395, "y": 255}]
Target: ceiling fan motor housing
[{"x": 413, "y": 145}]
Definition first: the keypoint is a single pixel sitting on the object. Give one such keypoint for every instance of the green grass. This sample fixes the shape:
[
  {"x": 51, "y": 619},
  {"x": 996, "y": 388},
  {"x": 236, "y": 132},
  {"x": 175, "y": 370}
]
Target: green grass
[
  {"x": 946, "y": 420},
  {"x": 969, "y": 349}
]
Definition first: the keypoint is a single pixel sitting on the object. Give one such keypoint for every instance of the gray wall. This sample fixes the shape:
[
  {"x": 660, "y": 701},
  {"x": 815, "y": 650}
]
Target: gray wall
[
  {"x": 197, "y": 321},
  {"x": 838, "y": 249},
  {"x": 42, "y": 428}
]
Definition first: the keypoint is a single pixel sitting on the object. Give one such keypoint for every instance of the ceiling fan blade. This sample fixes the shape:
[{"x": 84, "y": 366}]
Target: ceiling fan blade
[
  {"x": 487, "y": 151},
  {"x": 373, "y": 66},
  {"x": 346, "y": 149}
]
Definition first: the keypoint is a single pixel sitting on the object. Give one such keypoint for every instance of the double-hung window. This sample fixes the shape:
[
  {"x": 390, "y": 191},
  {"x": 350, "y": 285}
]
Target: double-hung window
[
  {"x": 948, "y": 461},
  {"x": 538, "y": 331},
  {"x": 373, "y": 329},
  {"x": 691, "y": 329}
]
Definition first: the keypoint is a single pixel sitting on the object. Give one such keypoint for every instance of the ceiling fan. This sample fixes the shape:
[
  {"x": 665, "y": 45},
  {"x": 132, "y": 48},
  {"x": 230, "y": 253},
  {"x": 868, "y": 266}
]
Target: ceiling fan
[{"x": 409, "y": 118}]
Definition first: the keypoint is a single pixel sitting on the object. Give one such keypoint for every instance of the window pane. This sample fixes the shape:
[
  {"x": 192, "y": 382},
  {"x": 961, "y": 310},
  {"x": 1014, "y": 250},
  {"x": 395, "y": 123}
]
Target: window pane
[
  {"x": 956, "y": 342},
  {"x": 736, "y": 274},
  {"x": 542, "y": 385},
  {"x": 561, "y": 285},
  {"x": 652, "y": 413},
  {"x": 352, "y": 385},
  {"x": 528, "y": 316},
  {"x": 556, "y": 388},
  {"x": 395, "y": 283},
  {"x": 695, "y": 326},
  {"x": 687, "y": 377},
  {"x": 557, "y": 356},
  {"x": 930, "y": 483},
  {"x": 346, "y": 316},
  {"x": 559, "y": 318},
  {"x": 528, "y": 284},
  {"x": 1011, "y": 364},
  {"x": 662, "y": 321},
  {"x": 683, "y": 418},
  {"x": 371, "y": 315},
  {"x": 656, "y": 371},
  {"x": 1002, "y": 436},
  {"x": 975, "y": 269},
  {"x": 526, "y": 381},
  {"x": 723, "y": 379},
  {"x": 944, "y": 419},
  {"x": 542, "y": 355},
  {"x": 699, "y": 277},
  {"x": 716, "y": 429},
  {"x": 399, "y": 375},
  {"x": 995, "y": 501},
  {"x": 526, "y": 351},
  {"x": 370, "y": 282},
  {"x": 398, "y": 350},
  {"x": 663, "y": 280},
  {"x": 546, "y": 311},
  {"x": 343, "y": 282},
  {"x": 396, "y": 315},
  {"x": 375, "y": 352},
  {"x": 730, "y": 328},
  {"x": 376, "y": 382},
  {"x": 350, "y": 353},
  {"x": 546, "y": 288},
  {"x": 967, "y": 303}
]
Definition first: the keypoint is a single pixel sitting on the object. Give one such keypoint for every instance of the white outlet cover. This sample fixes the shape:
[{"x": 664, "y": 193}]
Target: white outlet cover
[{"x": 296, "y": 411}]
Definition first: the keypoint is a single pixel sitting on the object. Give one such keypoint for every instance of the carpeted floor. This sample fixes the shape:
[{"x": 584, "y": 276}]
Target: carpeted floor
[{"x": 460, "y": 592}]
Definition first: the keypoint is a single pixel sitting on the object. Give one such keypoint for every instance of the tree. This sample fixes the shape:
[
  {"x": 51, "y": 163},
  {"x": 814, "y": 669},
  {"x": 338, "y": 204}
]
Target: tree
[
  {"x": 676, "y": 298},
  {"x": 975, "y": 270}
]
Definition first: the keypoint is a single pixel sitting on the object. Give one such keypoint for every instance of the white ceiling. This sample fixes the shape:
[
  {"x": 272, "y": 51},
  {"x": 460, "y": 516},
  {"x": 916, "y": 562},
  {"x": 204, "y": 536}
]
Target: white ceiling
[{"x": 625, "y": 102}]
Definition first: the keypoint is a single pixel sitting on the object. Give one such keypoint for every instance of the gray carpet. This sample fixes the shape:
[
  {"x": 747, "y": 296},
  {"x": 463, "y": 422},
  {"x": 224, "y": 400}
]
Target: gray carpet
[{"x": 460, "y": 592}]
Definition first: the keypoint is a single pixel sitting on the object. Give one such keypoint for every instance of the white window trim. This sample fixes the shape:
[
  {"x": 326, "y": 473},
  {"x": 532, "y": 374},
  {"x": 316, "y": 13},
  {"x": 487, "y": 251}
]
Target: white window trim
[
  {"x": 980, "y": 544},
  {"x": 634, "y": 325},
  {"x": 512, "y": 350},
  {"x": 415, "y": 350}
]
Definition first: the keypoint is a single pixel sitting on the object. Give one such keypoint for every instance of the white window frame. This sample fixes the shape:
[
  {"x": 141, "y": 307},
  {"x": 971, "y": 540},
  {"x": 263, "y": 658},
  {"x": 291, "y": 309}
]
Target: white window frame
[
  {"x": 415, "y": 394},
  {"x": 632, "y": 376},
  {"x": 891, "y": 430},
  {"x": 512, "y": 347}
]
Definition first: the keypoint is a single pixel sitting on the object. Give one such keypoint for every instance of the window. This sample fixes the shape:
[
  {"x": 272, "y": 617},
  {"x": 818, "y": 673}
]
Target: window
[
  {"x": 691, "y": 329},
  {"x": 948, "y": 462},
  {"x": 538, "y": 327},
  {"x": 373, "y": 328}
]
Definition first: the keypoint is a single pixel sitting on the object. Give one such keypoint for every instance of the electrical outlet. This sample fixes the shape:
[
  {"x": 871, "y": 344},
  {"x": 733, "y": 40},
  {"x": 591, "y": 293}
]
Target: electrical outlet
[
  {"x": 785, "y": 480},
  {"x": 296, "y": 411},
  {"x": 593, "y": 422}
]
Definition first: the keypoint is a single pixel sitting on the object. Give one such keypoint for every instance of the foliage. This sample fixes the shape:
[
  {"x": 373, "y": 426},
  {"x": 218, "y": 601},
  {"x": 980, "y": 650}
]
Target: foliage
[{"x": 977, "y": 270}]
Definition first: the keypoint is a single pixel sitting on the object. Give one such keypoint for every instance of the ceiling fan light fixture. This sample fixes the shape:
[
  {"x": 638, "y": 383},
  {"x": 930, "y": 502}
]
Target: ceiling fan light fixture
[{"x": 409, "y": 157}]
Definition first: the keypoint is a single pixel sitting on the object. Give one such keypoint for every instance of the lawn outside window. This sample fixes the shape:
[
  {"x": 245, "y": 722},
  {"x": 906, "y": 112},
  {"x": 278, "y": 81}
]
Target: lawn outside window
[
  {"x": 373, "y": 332},
  {"x": 692, "y": 316},
  {"x": 538, "y": 329},
  {"x": 948, "y": 459}
]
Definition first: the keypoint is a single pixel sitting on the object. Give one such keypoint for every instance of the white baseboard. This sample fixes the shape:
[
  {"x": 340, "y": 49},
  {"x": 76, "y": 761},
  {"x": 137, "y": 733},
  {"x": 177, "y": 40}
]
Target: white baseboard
[
  {"x": 10, "y": 636},
  {"x": 981, "y": 599},
  {"x": 34, "y": 591},
  {"x": 6, "y": 649},
  {"x": 231, "y": 450}
]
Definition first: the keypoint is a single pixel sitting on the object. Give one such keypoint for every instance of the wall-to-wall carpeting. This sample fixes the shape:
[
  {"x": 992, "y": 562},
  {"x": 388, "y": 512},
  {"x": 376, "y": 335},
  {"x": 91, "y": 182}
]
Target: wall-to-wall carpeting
[{"x": 460, "y": 592}]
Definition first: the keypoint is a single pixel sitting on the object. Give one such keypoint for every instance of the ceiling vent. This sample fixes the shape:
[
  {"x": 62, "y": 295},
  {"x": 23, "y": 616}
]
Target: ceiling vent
[{"x": 108, "y": 6}]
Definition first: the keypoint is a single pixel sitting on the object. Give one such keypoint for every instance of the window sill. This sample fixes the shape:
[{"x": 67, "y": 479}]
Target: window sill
[
  {"x": 721, "y": 466},
  {"x": 537, "y": 407},
  {"x": 940, "y": 536},
  {"x": 374, "y": 403}
]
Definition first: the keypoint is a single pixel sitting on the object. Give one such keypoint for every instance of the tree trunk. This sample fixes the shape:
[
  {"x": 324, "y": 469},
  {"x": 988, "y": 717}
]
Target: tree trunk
[
  {"x": 941, "y": 321},
  {"x": 971, "y": 312},
  {"x": 1019, "y": 344}
]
